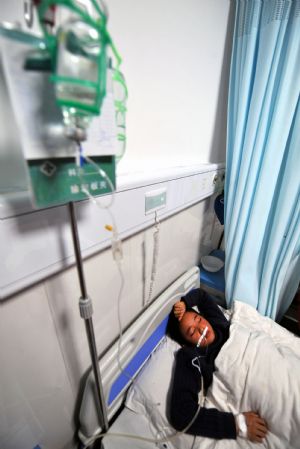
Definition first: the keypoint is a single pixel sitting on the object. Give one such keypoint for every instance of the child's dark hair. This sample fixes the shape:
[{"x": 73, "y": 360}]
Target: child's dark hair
[{"x": 173, "y": 330}]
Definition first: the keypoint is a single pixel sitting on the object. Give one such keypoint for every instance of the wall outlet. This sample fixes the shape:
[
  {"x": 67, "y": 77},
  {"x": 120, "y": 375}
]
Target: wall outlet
[
  {"x": 155, "y": 200},
  {"x": 218, "y": 181}
]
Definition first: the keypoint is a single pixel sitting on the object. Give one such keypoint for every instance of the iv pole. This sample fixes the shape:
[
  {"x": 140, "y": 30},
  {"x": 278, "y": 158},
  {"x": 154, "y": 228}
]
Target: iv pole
[{"x": 86, "y": 312}]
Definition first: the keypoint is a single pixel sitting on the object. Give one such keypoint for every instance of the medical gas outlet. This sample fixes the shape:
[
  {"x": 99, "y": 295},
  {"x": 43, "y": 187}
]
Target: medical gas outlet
[{"x": 155, "y": 200}]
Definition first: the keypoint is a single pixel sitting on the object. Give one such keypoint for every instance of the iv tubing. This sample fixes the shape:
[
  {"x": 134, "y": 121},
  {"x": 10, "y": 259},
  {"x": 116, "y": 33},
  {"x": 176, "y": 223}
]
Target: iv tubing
[
  {"x": 178, "y": 295},
  {"x": 154, "y": 259},
  {"x": 137, "y": 437}
]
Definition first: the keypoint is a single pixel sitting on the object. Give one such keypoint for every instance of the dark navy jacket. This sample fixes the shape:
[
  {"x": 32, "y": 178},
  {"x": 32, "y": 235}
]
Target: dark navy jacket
[{"x": 210, "y": 423}]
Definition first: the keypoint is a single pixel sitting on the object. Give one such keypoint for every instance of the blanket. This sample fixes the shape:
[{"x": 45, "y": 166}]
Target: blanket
[{"x": 258, "y": 369}]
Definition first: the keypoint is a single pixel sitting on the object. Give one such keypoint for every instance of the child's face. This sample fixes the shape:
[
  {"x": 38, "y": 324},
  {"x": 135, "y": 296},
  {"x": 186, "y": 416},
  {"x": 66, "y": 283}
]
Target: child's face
[{"x": 192, "y": 326}]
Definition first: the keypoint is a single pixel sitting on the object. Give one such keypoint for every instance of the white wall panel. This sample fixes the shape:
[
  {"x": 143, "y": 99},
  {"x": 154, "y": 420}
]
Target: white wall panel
[
  {"x": 36, "y": 399},
  {"x": 37, "y": 244}
]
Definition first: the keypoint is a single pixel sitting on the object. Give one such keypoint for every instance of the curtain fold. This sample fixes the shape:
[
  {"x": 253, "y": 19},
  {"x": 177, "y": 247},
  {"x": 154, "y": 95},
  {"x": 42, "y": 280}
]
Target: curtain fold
[{"x": 262, "y": 191}]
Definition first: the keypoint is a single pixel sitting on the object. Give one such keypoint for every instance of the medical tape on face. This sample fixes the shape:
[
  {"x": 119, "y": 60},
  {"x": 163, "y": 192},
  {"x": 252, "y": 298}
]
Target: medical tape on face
[{"x": 202, "y": 336}]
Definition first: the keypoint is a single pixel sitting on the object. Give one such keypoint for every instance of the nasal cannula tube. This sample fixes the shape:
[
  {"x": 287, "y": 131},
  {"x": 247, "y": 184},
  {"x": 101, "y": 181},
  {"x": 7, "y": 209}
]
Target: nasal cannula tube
[{"x": 202, "y": 336}]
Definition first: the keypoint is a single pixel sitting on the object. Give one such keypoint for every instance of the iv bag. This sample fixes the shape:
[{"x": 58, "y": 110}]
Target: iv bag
[{"x": 80, "y": 74}]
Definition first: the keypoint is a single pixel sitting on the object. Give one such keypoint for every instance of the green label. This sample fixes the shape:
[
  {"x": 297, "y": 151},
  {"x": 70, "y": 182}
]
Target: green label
[
  {"x": 59, "y": 181},
  {"x": 156, "y": 201}
]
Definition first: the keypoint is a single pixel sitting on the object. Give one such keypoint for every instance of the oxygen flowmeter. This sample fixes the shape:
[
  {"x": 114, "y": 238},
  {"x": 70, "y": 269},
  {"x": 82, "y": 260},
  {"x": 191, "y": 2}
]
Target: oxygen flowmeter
[{"x": 60, "y": 85}]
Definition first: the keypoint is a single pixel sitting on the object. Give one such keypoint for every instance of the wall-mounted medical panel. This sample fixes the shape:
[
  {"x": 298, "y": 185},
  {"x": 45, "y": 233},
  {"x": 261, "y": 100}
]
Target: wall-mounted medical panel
[{"x": 37, "y": 244}]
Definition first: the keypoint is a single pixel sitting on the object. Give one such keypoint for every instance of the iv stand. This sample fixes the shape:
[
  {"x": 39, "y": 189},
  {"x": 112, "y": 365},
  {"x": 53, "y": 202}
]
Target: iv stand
[{"x": 86, "y": 312}]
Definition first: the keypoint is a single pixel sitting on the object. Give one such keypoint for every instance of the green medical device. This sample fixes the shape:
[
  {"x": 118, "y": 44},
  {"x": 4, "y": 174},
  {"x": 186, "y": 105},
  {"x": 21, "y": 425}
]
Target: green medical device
[
  {"x": 79, "y": 54},
  {"x": 70, "y": 101}
]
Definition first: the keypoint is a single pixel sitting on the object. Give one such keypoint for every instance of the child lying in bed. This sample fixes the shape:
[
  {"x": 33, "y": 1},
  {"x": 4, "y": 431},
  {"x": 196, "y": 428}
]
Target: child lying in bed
[{"x": 193, "y": 361}]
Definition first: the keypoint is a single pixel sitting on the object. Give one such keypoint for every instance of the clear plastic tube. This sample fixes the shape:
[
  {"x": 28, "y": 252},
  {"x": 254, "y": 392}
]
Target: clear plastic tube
[
  {"x": 118, "y": 261},
  {"x": 154, "y": 259},
  {"x": 137, "y": 437},
  {"x": 104, "y": 175},
  {"x": 116, "y": 242}
]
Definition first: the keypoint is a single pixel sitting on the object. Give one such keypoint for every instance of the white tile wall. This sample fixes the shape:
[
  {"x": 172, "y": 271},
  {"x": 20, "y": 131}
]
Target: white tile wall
[{"x": 36, "y": 401}]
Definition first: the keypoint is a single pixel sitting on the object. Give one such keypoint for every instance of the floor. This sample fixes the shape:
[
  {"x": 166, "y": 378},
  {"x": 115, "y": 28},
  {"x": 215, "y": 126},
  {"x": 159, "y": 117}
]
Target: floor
[{"x": 291, "y": 319}]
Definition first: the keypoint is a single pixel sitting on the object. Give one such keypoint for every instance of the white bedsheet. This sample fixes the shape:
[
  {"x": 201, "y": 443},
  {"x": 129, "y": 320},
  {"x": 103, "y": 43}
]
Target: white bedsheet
[{"x": 258, "y": 369}]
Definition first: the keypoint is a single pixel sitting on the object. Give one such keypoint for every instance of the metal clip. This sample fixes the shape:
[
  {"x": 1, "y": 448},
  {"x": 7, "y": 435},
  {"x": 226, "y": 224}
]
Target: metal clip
[{"x": 28, "y": 12}]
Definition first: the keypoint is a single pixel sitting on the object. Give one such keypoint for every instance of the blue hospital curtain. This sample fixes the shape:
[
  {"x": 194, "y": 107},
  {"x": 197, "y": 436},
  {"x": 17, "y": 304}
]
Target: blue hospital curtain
[{"x": 262, "y": 190}]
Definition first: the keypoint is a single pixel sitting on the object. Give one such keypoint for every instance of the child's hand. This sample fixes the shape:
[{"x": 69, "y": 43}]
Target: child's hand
[
  {"x": 179, "y": 309},
  {"x": 257, "y": 427}
]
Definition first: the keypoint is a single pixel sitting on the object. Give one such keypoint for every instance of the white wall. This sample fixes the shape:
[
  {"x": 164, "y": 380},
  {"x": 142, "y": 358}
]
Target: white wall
[{"x": 176, "y": 64}]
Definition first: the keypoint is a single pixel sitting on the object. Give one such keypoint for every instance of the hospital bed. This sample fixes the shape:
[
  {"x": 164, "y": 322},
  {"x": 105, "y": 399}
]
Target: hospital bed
[{"x": 245, "y": 379}]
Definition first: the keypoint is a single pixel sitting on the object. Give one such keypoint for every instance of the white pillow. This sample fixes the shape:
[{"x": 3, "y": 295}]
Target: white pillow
[
  {"x": 149, "y": 395},
  {"x": 149, "y": 392}
]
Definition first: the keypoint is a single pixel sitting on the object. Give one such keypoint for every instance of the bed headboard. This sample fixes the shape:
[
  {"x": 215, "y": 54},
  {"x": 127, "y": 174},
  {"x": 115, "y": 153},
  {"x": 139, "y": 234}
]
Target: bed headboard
[{"x": 139, "y": 340}]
